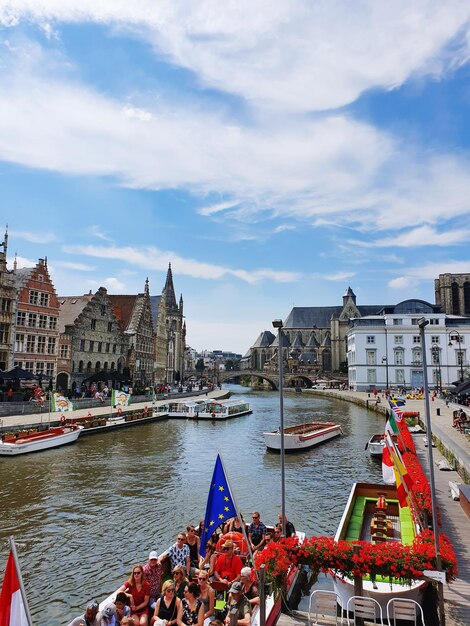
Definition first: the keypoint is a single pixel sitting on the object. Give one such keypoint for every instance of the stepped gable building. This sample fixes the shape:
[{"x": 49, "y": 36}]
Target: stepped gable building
[
  {"x": 88, "y": 325},
  {"x": 452, "y": 293},
  {"x": 134, "y": 316},
  {"x": 7, "y": 308},
  {"x": 36, "y": 326},
  {"x": 169, "y": 335},
  {"x": 315, "y": 337}
]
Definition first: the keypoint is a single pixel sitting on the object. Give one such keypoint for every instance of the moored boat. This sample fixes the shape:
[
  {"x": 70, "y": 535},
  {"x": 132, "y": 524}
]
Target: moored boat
[
  {"x": 121, "y": 419},
  {"x": 221, "y": 409},
  {"x": 376, "y": 444},
  {"x": 24, "y": 442},
  {"x": 302, "y": 436},
  {"x": 373, "y": 514}
]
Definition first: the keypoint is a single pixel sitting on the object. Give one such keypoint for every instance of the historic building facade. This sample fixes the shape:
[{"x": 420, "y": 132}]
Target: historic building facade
[
  {"x": 36, "y": 326},
  {"x": 452, "y": 293},
  {"x": 7, "y": 308}
]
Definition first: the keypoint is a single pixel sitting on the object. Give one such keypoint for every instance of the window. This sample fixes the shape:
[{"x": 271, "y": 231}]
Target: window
[
  {"x": 32, "y": 317},
  {"x": 51, "y": 345},
  {"x": 42, "y": 321},
  {"x": 435, "y": 356},
  {"x": 435, "y": 338},
  {"x": 5, "y": 305},
  {"x": 33, "y": 296},
  {"x": 399, "y": 357},
  {"x": 19, "y": 342},
  {"x": 414, "y": 321},
  {"x": 80, "y": 366},
  {"x": 370, "y": 355},
  {"x": 44, "y": 299},
  {"x": 370, "y": 338},
  {"x": 30, "y": 343},
  {"x": 434, "y": 321},
  {"x": 400, "y": 377},
  {"x": 398, "y": 339},
  {"x": 4, "y": 333},
  {"x": 371, "y": 376},
  {"x": 110, "y": 327},
  {"x": 397, "y": 321},
  {"x": 29, "y": 365},
  {"x": 100, "y": 346},
  {"x": 52, "y": 323},
  {"x": 18, "y": 364},
  {"x": 91, "y": 346},
  {"x": 40, "y": 278},
  {"x": 82, "y": 345},
  {"x": 64, "y": 352},
  {"x": 108, "y": 346},
  {"x": 416, "y": 339},
  {"x": 103, "y": 309},
  {"x": 416, "y": 357},
  {"x": 40, "y": 367},
  {"x": 93, "y": 324},
  {"x": 114, "y": 348},
  {"x": 21, "y": 318},
  {"x": 41, "y": 344},
  {"x": 50, "y": 369}
]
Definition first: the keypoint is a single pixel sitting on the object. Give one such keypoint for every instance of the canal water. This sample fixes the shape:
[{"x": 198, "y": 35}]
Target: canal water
[{"x": 83, "y": 515}]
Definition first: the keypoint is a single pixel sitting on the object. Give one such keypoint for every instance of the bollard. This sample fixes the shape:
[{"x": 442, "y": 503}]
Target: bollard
[{"x": 438, "y": 411}]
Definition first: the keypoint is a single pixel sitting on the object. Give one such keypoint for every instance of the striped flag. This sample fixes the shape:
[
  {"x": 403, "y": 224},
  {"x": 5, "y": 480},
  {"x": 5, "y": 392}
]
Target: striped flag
[
  {"x": 391, "y": 425},
  {"x": 13, "y": 606}
]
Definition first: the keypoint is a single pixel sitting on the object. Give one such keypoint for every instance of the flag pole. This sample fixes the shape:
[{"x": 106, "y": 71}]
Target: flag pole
[
  {"x": 20, "y": 580},
  {"x": 243, "y": 525}
]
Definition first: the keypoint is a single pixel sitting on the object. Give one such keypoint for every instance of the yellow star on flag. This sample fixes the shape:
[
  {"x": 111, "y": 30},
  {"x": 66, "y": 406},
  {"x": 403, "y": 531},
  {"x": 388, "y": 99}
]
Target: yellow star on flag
[
  {"x": 226, "y": 498},
  {"x": 226, "y": 508},
  {"x": 221, "y": 516},
  {"x": 221, "y": 488},
  {"x": 211, "y": 523}
]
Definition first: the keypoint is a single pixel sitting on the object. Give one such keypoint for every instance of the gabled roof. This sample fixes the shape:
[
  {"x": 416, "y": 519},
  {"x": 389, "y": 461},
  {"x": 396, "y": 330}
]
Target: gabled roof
[
  {"x": 123, "y": 309},
  {"x": 285, "y": 341},
  {"x": 21, "y": 276},
  {"x": 320, "y": 316},
  {"x": 298, "y": 343},
  {"x": 264, "y": 340},
  {"x": 70, "y": 309},
  {"x": 312, "y": 341}
]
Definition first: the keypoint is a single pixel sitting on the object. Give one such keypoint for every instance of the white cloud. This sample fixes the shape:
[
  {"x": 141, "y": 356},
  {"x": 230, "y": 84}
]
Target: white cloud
[
  {"x": 21, "y": 261},
  {"x": 402, "y": 282},
  {"x": 419, "y": 237},
  {"x": 151, "y": 258},
  {"x": 339, "y": 276},
  {"x": 292, "y": 54},
  {"x": 95, "y": 231},
  {"x": 216, "y": 208},
  {"x": 79, "y": 267},
  {"x": 33, "y": 237}
]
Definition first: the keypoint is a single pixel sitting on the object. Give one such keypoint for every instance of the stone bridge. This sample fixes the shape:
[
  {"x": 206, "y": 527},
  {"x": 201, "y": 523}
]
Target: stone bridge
[{"x": 291, "y": 379}]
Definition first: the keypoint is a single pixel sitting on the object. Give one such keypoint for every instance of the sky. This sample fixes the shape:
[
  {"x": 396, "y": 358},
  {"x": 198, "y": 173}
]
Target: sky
[{"x": 274, "y": 152}]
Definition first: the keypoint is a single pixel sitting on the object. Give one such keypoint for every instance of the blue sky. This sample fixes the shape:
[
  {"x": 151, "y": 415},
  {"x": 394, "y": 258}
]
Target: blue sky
[{"x": 273, "y": 152}]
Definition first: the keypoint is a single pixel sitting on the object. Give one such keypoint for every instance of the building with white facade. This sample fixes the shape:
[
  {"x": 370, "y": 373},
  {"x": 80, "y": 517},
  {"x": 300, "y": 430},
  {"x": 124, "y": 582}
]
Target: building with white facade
[{"x": 385, "y": 350}]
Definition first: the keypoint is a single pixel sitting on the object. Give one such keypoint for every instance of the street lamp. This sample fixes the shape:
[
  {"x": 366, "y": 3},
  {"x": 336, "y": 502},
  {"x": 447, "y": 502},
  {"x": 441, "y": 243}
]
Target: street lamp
[
  {"x": 435, "y": 351},
  {"x": 422, "y": 323},
  {"x": 458, "y": 338},
  {"x": 385, "y": 360},
  {"x": 278, "y": 324}
]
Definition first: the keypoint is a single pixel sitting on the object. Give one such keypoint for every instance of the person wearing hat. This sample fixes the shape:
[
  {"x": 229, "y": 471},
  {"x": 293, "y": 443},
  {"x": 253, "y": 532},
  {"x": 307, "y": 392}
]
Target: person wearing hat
[
  {"x": 229, "y": 565},
  {"x": 239, "y": 608},
  {"x": 153, "y": 575},
  {"x": 107, "y": 617},
  {"x": 90, "y": 617}
]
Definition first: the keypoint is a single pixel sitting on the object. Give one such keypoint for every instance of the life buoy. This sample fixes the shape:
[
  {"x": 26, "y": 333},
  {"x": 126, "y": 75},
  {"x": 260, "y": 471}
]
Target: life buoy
[
  {"x": 237, "y": 539},
  {"x": 119, "y": 411},
  {"x": 212, "y": 414},
  {"x": 410, "y": 413},
  {"x": 62, "y": 419}
]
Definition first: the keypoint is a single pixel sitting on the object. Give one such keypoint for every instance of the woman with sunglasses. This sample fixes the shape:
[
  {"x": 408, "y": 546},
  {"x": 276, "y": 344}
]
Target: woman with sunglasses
[
  {"x": 137, "y": 589},
  {"x": 193, "y": 609},
  {"x": 207, "y": 595},
  {"x": 168, "y": 607},
  {"x": 207, "y": 563},
  {"x": 193, "y": 543},
  {"x": 180, "y": 580}
]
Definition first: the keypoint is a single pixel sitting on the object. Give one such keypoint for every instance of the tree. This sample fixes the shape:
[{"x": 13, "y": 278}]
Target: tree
[{"x": 200, "y": 367}]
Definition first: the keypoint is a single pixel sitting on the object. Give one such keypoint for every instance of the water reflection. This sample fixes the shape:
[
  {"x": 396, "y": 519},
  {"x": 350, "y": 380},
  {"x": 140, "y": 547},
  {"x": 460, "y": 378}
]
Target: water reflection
[{"x": 84, "y": 514}]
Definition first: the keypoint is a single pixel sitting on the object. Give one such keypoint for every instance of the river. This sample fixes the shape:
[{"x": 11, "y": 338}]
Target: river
[{"x": 83, "y": 515}]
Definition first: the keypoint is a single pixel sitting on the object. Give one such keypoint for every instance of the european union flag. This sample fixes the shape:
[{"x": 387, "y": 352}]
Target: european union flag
[{"x": 220, "y": 506}]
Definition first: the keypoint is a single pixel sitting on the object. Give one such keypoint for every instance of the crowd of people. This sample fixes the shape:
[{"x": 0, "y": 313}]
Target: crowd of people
[{"x": 188, "y": 595}]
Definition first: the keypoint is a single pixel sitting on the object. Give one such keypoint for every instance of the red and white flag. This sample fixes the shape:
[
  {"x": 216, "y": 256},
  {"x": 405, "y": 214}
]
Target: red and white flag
[
  {"x": 13, "y": 611},
  {"x": 388, "y": 474}
]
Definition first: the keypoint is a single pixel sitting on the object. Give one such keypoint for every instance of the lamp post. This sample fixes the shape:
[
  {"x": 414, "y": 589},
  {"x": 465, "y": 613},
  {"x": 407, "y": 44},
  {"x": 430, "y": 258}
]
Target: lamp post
[
  {"x": 457, "y": 337},
  {"x": 437, "y": 361},
  {"x": 385, "y": 360},
  {"x": 278, "y": 324},
  {"x": 422, "y": 323}
]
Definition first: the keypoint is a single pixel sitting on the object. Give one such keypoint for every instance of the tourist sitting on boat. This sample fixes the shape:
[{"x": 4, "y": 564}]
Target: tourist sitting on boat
[
  {"x": 193, "y": 543},
  {"x": 239, "y": 608},
  {"x": 153, "y": 575},
  {"x": 193, "y": 608},
  {"x": 127, "y": 621},
  {"x": 107, "y": 616},
  {"x": 207, "y": 596},
  {"x": 178, "y": 553},
  {"x": 200, "y": 528},
  {"x": 234, "y": 525},
  {"x": 168, "y": 607},
  {"x": 290, "y": 530},
  {"x": 90, "y": 617},
  {"x": 229, "y": 565},
  {"x": 277, "y": 533},
  {"x": 256, "y": 532},
  {"x": 180, "y": 580},
  {"x": 137, "y": 590},
  {"x": 249, "y": 588},
  {"x": 122, "y": 608},
  {"x": 268, "y": 539},
  {"x": 208, "y": 562}
]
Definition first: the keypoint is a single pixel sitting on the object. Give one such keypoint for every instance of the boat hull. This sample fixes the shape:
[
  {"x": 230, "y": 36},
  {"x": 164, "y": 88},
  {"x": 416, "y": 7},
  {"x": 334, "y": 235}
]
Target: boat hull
[
  {"x": 301, "y": 441},
  {"x": 41, "y": 443}
]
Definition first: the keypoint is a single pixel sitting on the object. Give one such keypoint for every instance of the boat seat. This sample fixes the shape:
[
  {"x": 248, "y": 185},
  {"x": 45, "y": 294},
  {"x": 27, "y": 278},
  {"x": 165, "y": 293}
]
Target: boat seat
[
  {"x": 365, "y": 609},
  {"x": 404, "y": 609},
  {"x": 323, "y": 608}
]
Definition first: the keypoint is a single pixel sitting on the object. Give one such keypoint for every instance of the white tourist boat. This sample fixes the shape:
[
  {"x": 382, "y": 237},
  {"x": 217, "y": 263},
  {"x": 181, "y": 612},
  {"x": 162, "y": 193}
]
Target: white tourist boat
[
  {"x": 208, "y": 409},
  {"x": 357, "y": 523},
  {"x": 302, "y": 436},
  {"x": 24, "y": 442},
  {"x": 376, "y": 444},
  {"x": 183, "y": 408}
]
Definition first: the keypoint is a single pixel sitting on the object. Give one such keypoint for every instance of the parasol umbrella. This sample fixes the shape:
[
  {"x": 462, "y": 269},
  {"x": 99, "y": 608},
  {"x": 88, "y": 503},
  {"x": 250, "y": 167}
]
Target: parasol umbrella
[
  {"x": 17, "y": 373},
  {"x": 104, "y": 376}
]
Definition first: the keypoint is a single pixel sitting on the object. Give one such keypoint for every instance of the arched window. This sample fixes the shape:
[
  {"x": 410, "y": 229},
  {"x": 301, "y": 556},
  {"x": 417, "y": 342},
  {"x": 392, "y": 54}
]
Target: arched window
[
  {"x": 105, "y": 366},
  {"x": 88, "y": 367},
  {"x": 455, "y": 299},
  {"x": 97, "y": 366},
  {"x": 80, "y": 366},
  {"x": 113, "y": 365},
  {"x": 466, "y": 298}
]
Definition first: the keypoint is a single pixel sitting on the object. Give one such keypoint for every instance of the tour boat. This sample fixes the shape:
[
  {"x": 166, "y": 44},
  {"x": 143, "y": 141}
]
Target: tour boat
[
  {"x": 376, "y": 444},
  {"x": 302, "y": 436},
  {"x": 26, "y": 441},
  {"x": 359, "y": 523},
  {"x": 208, "y": 409},
  {"x": 121, "y": 419},
  {"x": 183, "y": 408}
]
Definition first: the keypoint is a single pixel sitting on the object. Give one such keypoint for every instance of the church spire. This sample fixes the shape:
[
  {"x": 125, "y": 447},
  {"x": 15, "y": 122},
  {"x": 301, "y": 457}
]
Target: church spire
[
  {"x": 170, "y": 290},
  {"x": 147, "y": 290}
]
